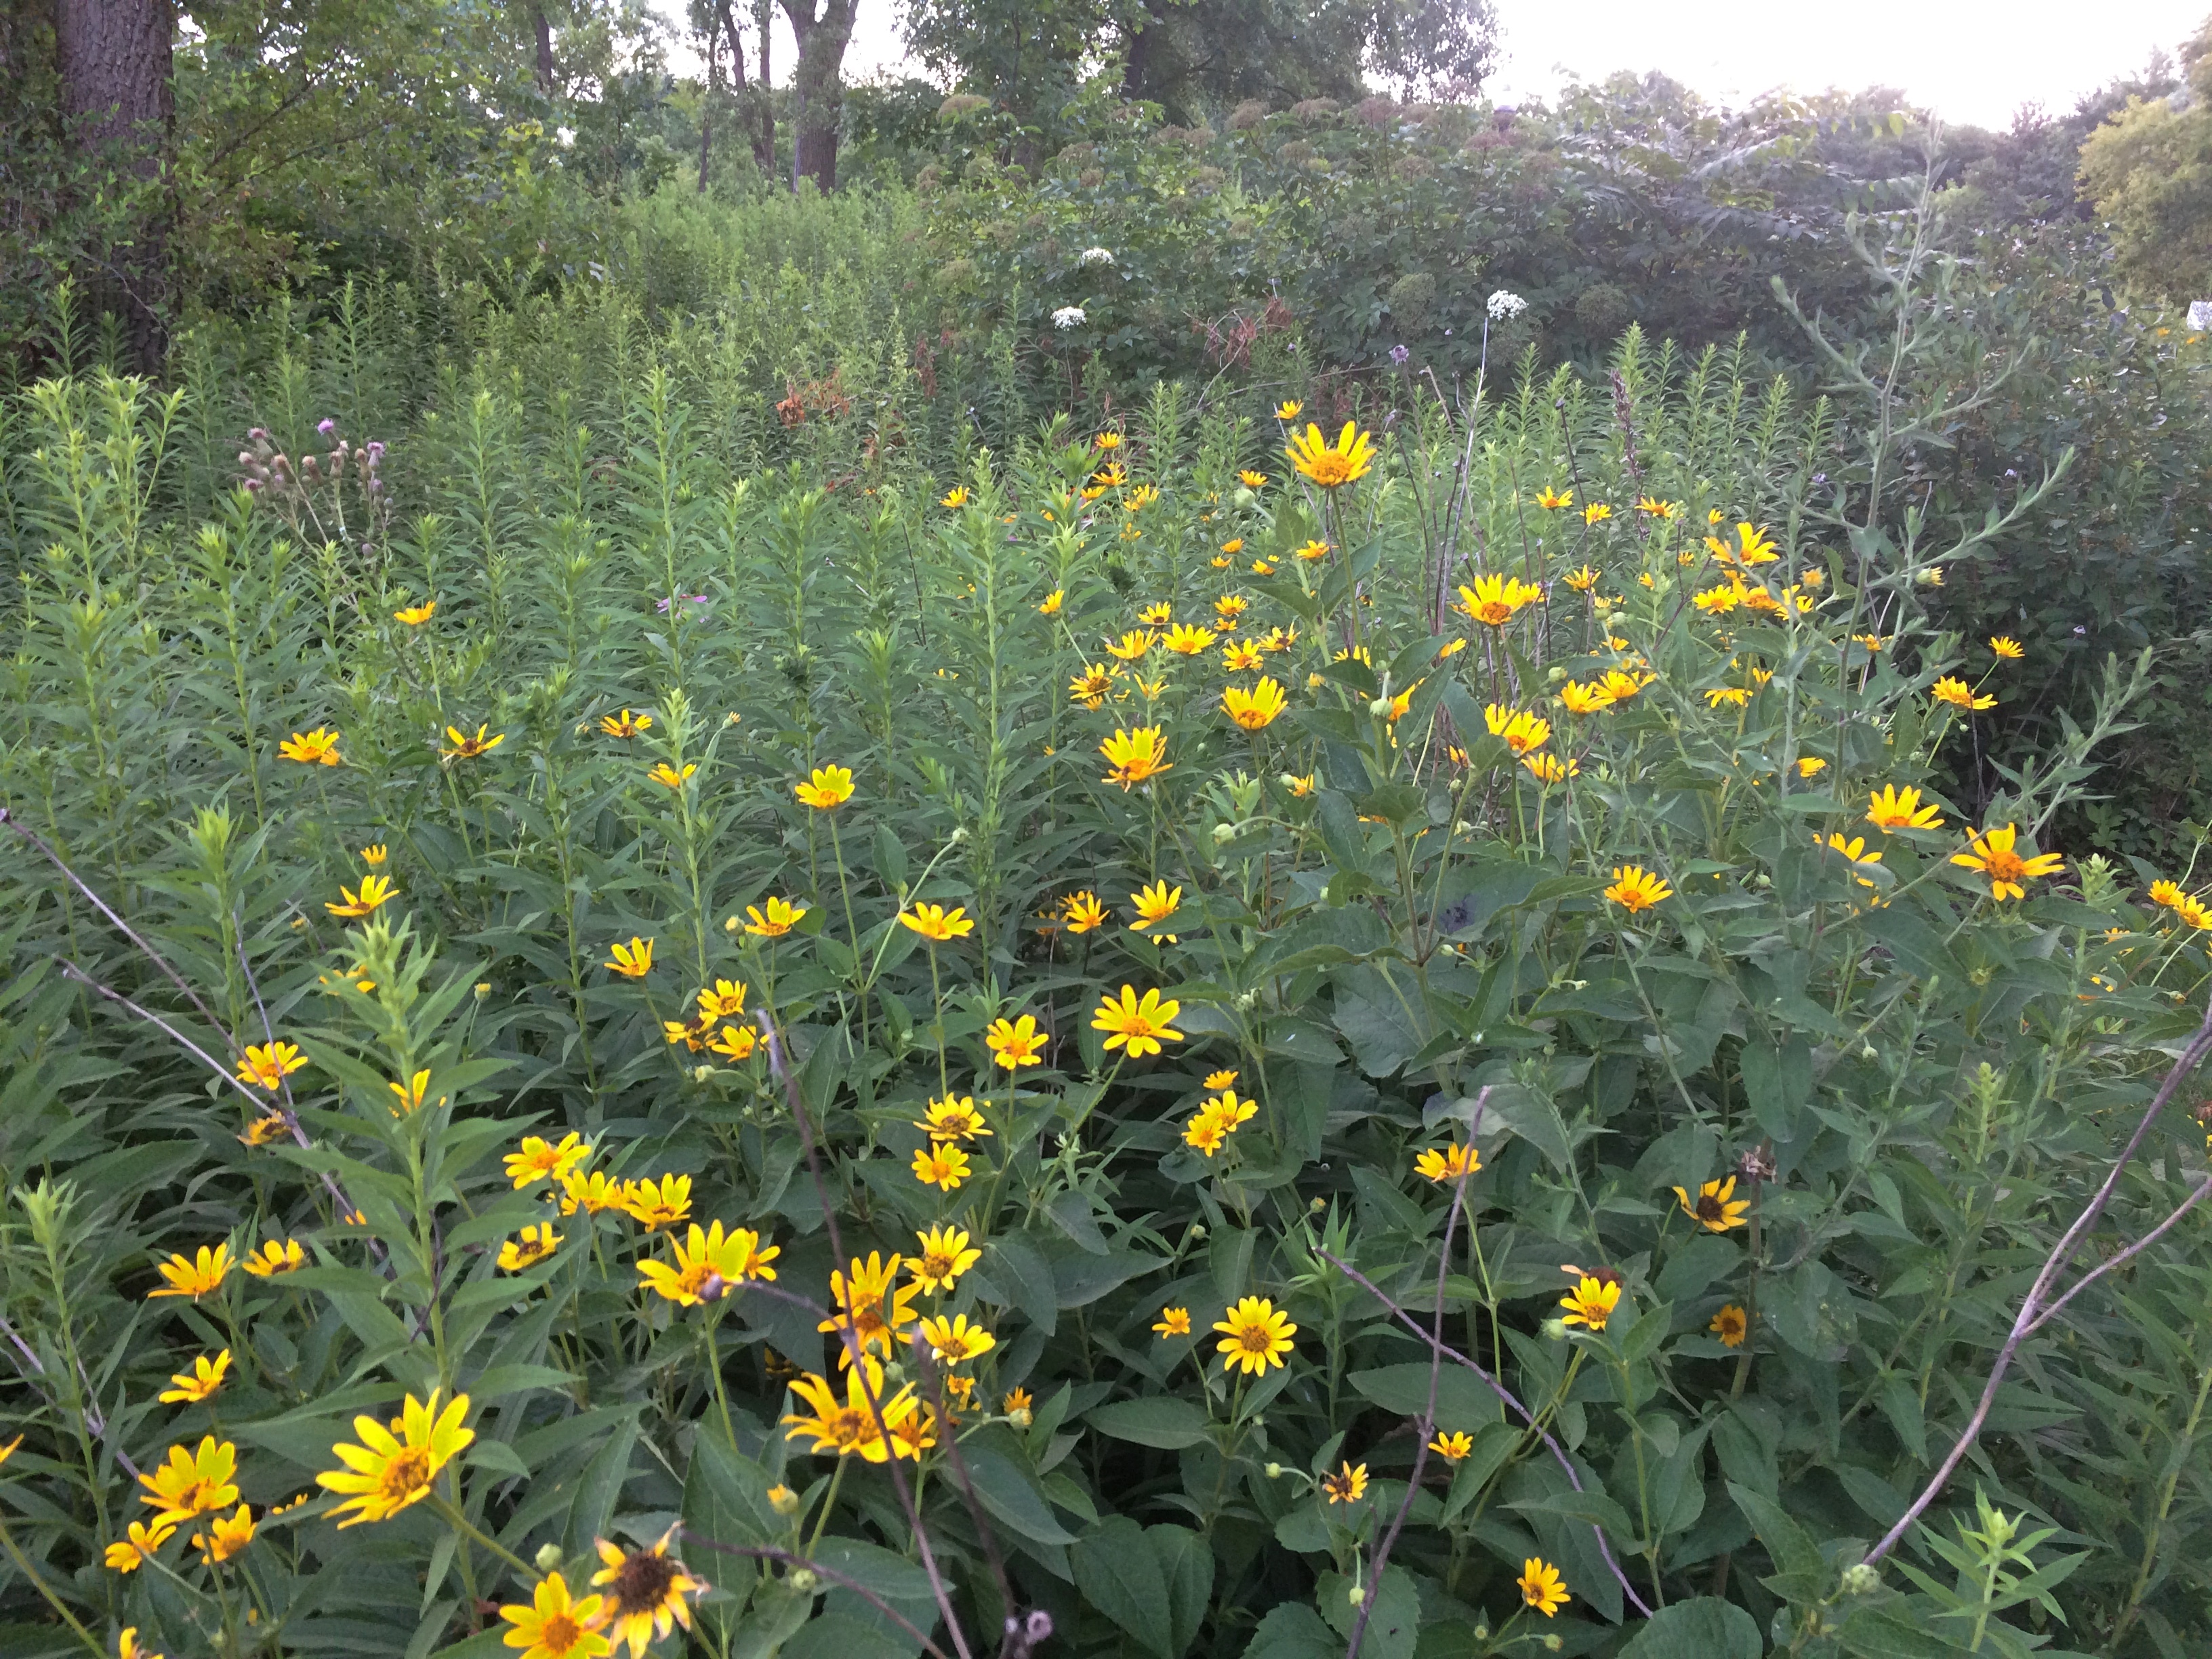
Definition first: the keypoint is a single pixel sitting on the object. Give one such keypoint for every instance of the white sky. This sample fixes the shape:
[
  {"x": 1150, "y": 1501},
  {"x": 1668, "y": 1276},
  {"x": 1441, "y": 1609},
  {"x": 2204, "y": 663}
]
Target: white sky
[{"x": 1970, "y": 60}]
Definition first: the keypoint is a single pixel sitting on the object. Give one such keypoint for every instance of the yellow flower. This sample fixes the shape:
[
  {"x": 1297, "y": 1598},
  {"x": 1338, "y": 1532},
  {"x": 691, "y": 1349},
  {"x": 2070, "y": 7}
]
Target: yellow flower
[
  {"x": 646, "y": 1594},
  {"x": 1994, "y": 857},
  {"x": 1300, "y": 787},
  {"x": 316, "y": 748},
  {"x": 936, "y": 925},
  {"x": 1451, "y": 648},
  {"x": 1401, "y": 702},
  {"x": 1636, "y": 889},
  {"x": 782, "y": 916},
  {"x": 1620, "y": 685},
  {"x": 2006, "y": 647},
  {"x": 1252, "y": 480},
  {"x": 1217, "y": 1119},
  {"x": 1234, "y": 544},
  {"x": 394, "y": 1467},
  {"x": 468, "y": 748},
  {"x": 1549, "y": 769},
  {"x": 1494, "y": 599},
  {"x": 707, "y": 1264},
  {"x": 668, "y": 778},
  {"x": 1082, "y": 912},
  {"x": 267, "y": 1064},
  {"x": 1255, "y": 710},
  {"x": 955, "y": 1340},
  {"x": 553, "y": 1626},
  {"x": 831, "y": 786},
  {"x": 1855, "y": 850},
  {"x": 1731, "y": 1325},
  {"x": 1109, "y": 440},
  {"x": 1330, "y": 466},
  {"x": 1311, "y": 550},
  {"x": 539, "y": 1159},
  {"x": 1159, "y": 614},
  {"x": 1582, "y": 581},
  {"x": 532, "y": 1245},
  {"x": 227, "y": 1534},
  {"x": 1090, "y": 686},
  {"x": 187, "y": 1485},
  {"x": 205, "y": 1376},
  {"x": 1255, "y": 1336},
  {"x": 1953, "y": 690},
  {"x": 735, "y": 1041},
  {"x": 1228, "y": 610},
  {"x": 1900, "y": 808},
  {"x": 1290, "y": 409},
  {"x": 126, "y": 1645},
  {"x": 955, "y": 497},
  {"x": 375, "y": 856},
  {"x": 1581, "y": 699},
  {"x": 862, "y": 1310},
  {"x": 1155, "y": 904},
  {"x": 416, "y": 615},
  {"x": 1132, "y": 645},
  {"x": 1753, "y": 547},
  {"x": 633, "y": 960},
  {"x": 1719, "y": 601},
  {"x": 1113, "y": 475},
  {"x": 954, "y": 1118},
  {"x": 592, "y": 1193},
  {"x": 1809, "y": 764},
  {"x": 654, "y": 1205},
  {"x": 1222, "y": 1079},
  {"x": 137, "y": 1545},
  {"x": 1591, "y": 1302},
  {"x": 1136, "y": 757},
  {"x": 1138, "y": 1028},
  {"x": 1172, "y": 1321},
  {"x": 1347, "y": 1485},
  {"x": 1519, "y": 729},
  {"x": 1733, "y": 695},
  {"x": 1142, "y": 496},
  {"x": 945, "y": 1255},
  {"x": 1015, "y": 1043},
  {"x": 1448, "y": 1164},
  {"x": 273, "y": 1258},
  {"x": 1188, "y": 638},
  {"x": 1541, "y": 1586},
  {"x": 1873, "y": 642},
  {"x": 196, "y": 1276},
  {"x": 1552, "y": 499},
  {"x": 1596, "y": 512},
  {"x": 375, "y": 892},
  {"x": 940, "y": 1166},
  {"x": 625, "y": 725},
  {"x": 1453, "y": 1448},
  {"x": 724, "y": 1000},
  {"x": 1653, "y": 506},
  {"x": 1715, "y": 1208},
  {"x": 849, "y": 1426}
]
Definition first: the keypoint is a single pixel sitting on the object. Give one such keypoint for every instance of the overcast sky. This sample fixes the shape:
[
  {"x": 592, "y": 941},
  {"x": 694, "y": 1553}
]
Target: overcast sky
[{"x": 1970, "y": 60}]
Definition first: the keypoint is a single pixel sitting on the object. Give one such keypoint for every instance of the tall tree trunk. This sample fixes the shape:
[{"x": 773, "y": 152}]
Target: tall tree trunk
[
  {"x": 118, "y": 101},
  {"x": 816, "y": 87},
  {"x": 706, "y": 111},
  {"x": 764, "y": 144},
  {"x": 545, "y": 26},
  {"x": 747, "y": 97}
]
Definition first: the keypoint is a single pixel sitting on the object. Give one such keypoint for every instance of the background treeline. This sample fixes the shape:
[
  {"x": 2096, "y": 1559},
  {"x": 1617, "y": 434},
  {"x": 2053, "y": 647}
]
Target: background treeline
[{"x": 335, "y": 207}]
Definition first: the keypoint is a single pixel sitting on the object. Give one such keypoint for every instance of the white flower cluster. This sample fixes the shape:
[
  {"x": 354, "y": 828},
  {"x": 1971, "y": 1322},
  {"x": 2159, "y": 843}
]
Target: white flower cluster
[
  {"x": 1068, "y": 316},
  {"x": 1504, "y": 304},
  {"x": 1096, "y": 256}
]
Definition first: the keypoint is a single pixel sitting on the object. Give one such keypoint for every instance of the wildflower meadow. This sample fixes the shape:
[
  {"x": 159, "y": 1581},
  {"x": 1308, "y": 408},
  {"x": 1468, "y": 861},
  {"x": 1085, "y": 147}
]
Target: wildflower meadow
[{"x": 1273, "y": 1022}]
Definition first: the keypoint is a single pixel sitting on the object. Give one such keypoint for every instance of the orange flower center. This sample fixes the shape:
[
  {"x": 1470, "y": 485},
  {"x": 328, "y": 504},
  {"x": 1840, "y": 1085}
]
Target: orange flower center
[
  {"x": 2002, "y": 864},
  {"x": 848, "y": 1426},
  {"x": 407, "y": 1474},
  {"x": 1496, "y": 612},
  {"x": 560, "y": 1634},
  {"x": 936, "y": 1266},
  {"x": 1710, "y": 1208},
  {"x": 1328, "y": 468},
  {"x": 1253, "y": 1338},
  {"x": 641, "y": 1584}
]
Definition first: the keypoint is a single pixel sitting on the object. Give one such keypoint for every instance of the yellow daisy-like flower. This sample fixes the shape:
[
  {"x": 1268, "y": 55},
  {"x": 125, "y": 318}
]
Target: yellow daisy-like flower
[
  {"x": 1521, "y": 730},
  {"x": 1255, "y": 1336},
  {"x": 654, "y": 1205},
  {"x": 1853, "y": 849},
  {"x": 532, "y": 1245},
  {"x": 940, "y": 1166},
  {"x": 187, "y": 1485},
  {"x": 868, "y": 1305},
  {"x": 1136, "y": 757},
  {"x": 849, "y": 1426},
  {"x": 375, "y": 892},
  {"x": 1715, "y": 1208},
  {"x": 1156, "y": 902},
  {"x": 1734, "y": 695},
  {"x": 1252, "y": 480},
  {"x": 1583, "y": 580},
  {"x": 1112, "y": 477},
  {"x": 1549, "y": 769},
  {"x": 1808, "y": 765},
  {"x": 1731, "y": 1325},
  {"x": 1596, "y": 512},
  {"x": 1159, "y": 614},
  {"x": 645, "y": 1593},
  {"x": 127, "y": 1646},
  {"x": 1494, "y": 601},
  {"x": 199, "y": 1274},
  {"x": 1221, "y": 1080},
  {"x": 1448, "y": 1162},
  {"x": 393, "y": 1468},
  {"x": 955, "y": 497},
  {"x": 1017, "y": 1405},
  {"x": 316, "y": 748},
  {"x": 136, "y": 1546},
  {"x": 1953, "y": 690},
  {"x": 1550, "y": 500},
  {"x": 1289, "y": 410},
  {"x": 1052, "y": 602},
  {"x": 1892, "y": 808},
  {"x": 191, "y": 1387},
  {"x": 539, "y": 1159},
  {"x": 1994, "y": 856},
  {"x": 1453, "y": 1448},
  {"x": 1347, "y": 1485},
  {"x": 1188, "y": 638},
  {"x": 1255, "y": 710},
  {"x": 1636, "y": 889},
  {"x": 1172, "y": 1321},
  {"x": 707, "y": 1264},
  {"x": 827, "y": 788},
  {"x": 781, "y": 918},
  {"x": 1581, "y": 699},
  {"x": 955, "y": 1340},
  {"x": 625, "y": 725},
  {"x": 936, "y": 925},
  {"x": 1591, "y": 1302},
  {"x": 2006, "y": 646},
  {"x": 1753, "y": 547},
  {"x": 1300, "y": 787},
  {"x": 1132, "y": 645},
  {"x": 1081, "y": 913},
  {"x": 945, "y": 1255},
  {"x": 734, "y": 1042},
  {"x": 1652, "y": 506},
  {"x": 226, "y": 1536},
  {"x": 668, "y": 778},
  {"x": 416, "y": 615},
  {"x": 1109, "y": 440},
  {"x": 1217, "y": 1119},
  {"x": 1541, "y": 1586},
  {"x": 1090, "y": 686},
  {"x": 1243, "y": 656},
  {"x": 593, "y": 1193},
  {"x": 1015, "y": 1043},
  {"x": 267, "y": 1064},
  {"x": 633, "y": 960},
  {"x": 274, "y": 1258},
  {"x": 553, "y": 1626},
  {"x": 1136, "y": 1027},
  {"x": 954, "y": 1119},
  {"x": 724, "y": 1000},
  {"x": 468, "y": 748},
  {"x": 1333, "y": 466}
]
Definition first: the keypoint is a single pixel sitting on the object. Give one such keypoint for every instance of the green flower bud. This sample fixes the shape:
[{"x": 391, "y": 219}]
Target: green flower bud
[
  {"x": 549, "y": 1556},
  {"x": 805, "y": 1580},
  {"x": 1357, "y": 1595},
  {"x": 1862, "y": 1580}
]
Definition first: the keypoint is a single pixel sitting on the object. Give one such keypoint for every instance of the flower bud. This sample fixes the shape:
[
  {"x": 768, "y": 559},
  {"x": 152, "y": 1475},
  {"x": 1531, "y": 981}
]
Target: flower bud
[
  {"x": 1357, "y": 1595},
  {"x": 549, "y": 1556},
  {"x": 783, "y": 1501},
  {"x": 1862, "y": 1579},
  {"x": 1021, "y": 1417},
  {"x": 730, "y": 925},
  {"x": 1223, "y": 833},
  {"x": 1197, "y": 1231},
  {"x": 1554, "y": 1329},
  {"x": 483, "y": 989},
  {"x": 1275, "y": 1471},
  {"x": 1380, "y": 709},
  {"x": 805, "y": 1580},
  {"x": 1553, "y": 1643},
  {"x": 1318, "y": 1204},
  {"x": 701, "y": 1073}
]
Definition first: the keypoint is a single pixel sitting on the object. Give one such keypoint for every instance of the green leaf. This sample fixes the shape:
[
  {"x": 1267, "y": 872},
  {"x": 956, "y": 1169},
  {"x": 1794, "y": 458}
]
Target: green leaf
[
  {"x": 1778, "y": 1082},
  {"x": 1801, "y": 1574},
  {"x": 1118, "y": 1573},
  {"x": 1292, "y": 1630},
  {"x": 998, "y": 1469},
  {"x": 1706, "y": 1628},
  {"x": 1165, "y": 1421},
  {"x": 1394, "y": 1619},
  {"x": 1186, "y": 1560},
  {"x": 1462, "y": 1400}
]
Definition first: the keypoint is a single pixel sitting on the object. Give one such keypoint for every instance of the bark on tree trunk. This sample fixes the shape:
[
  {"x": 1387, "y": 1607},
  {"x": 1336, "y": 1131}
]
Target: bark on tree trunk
[
  {"x": 816, "y": 87},
  {"x": 118, "y": 104},
  {"x": 545, "y": 50},
  {"x": 764, "y": 145},
  {"x": 763, "y": 136},
  {"x": 707, "y": 111}
]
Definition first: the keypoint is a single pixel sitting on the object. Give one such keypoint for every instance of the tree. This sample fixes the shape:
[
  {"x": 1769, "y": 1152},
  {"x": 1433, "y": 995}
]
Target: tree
[
  {"x": 2149, "y": 170},
  {"x": 823, "y": 29},
  {"x": 118, "y": 113}
]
